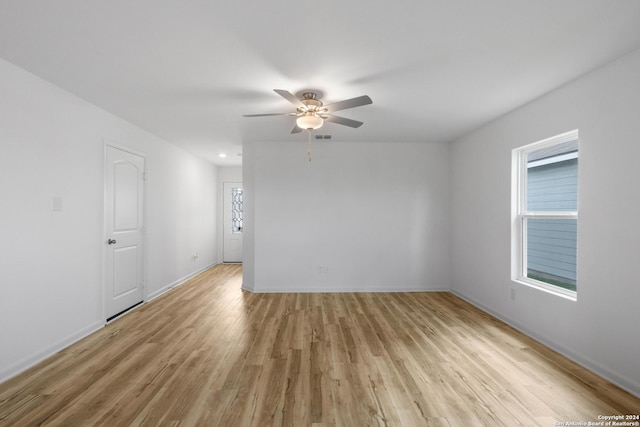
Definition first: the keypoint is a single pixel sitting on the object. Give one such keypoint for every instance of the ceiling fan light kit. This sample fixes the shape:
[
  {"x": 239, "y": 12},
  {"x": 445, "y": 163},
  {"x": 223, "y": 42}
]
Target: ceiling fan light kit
[{"x": 309, "y": 120}]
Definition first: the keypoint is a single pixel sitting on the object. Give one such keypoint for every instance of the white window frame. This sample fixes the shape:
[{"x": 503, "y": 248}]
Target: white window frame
[{"x": 520, "y": 214}]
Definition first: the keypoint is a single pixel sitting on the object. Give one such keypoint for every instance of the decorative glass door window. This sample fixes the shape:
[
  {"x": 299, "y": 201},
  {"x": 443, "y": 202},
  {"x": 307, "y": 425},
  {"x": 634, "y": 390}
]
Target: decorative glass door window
[{"x": 236, "y": 210}]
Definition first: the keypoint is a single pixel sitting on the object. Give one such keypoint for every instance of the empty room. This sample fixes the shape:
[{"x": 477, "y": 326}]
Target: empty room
[{"x": 320, "y": 213}]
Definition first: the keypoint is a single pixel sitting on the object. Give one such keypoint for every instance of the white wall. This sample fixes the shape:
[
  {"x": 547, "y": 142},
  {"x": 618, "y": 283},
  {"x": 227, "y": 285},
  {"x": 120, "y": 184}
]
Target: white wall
[
  {"x": 375, "y": 215},
  {"x": 182, "y": 214},
  {"x": 52, "y": 145},
  {"x": 600, "y": 329},
  {"x": 229, "y": 174},
  {"x": 225, "y": 174}
]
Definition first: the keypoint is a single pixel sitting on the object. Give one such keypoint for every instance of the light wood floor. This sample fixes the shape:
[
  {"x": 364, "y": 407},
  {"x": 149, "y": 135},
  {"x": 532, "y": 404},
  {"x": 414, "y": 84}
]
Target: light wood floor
[{"x": 210, "y": 354}]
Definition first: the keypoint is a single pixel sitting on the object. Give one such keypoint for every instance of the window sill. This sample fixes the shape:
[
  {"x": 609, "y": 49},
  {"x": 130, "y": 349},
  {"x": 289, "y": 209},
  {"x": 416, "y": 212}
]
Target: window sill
[{"x": 550, "y": 289}]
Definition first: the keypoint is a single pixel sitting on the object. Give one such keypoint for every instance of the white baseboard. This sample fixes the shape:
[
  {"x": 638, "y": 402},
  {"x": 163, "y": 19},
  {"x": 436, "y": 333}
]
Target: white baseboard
[
  {"x": 177, "y": 283},
  {"x": 324, "y": 290},
  {"x": 622, "y": 382},
  {"x": 30, "y": 361}
]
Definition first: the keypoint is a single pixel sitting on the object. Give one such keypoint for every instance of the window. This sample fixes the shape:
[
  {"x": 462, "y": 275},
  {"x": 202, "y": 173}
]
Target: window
[
  {"x": 236, "y": 210},
  {"x": 545, "y": 203}
]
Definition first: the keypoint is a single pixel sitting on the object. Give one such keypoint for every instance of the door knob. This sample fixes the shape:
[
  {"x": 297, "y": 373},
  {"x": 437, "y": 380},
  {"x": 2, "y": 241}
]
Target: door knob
[{"x": 111, "y": 241}]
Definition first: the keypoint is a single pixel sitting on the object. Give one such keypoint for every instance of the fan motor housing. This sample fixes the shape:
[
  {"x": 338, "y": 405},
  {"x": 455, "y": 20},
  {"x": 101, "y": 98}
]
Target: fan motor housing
[{"x": 310, "y": 99}]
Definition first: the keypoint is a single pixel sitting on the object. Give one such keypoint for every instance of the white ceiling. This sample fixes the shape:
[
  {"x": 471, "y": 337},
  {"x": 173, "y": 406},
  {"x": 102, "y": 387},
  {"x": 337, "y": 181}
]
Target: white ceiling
[{"x": 187, "y": 70}]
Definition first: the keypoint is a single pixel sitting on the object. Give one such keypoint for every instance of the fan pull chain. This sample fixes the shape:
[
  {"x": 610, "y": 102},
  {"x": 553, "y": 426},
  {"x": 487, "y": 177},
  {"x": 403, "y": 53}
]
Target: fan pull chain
[{"x": 309, "y": 146}]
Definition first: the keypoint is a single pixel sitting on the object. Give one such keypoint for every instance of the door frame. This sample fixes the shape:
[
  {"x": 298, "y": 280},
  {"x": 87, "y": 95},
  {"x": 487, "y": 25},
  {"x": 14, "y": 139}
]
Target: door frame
[{"x": 108, "y": 143}]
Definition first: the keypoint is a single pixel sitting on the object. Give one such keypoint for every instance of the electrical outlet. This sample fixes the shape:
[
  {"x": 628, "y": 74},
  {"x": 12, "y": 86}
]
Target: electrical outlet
[
  {"x": 513, "y": 294},
  {"x": 323, "y": 269}
]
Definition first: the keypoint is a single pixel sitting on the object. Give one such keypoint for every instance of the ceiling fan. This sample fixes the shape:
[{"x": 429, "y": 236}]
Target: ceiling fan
[{"x": 311, "y": 112}]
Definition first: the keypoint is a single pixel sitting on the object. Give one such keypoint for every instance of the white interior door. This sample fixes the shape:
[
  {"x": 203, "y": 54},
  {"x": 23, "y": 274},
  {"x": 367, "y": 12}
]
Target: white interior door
[
  {"x": 232, "y": 219},
  {"x": 124, "y": 223}
]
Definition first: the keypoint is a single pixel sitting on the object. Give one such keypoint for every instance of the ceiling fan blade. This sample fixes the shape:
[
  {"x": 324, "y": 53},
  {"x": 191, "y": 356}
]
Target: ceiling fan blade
[
  {"x": 290, "y": 97},
  {"x": 349, "y": 103},
  {"x": 296, "y": 129},
  {"x": 343, "y": 121},
  {"x": 271, "y": 114}
]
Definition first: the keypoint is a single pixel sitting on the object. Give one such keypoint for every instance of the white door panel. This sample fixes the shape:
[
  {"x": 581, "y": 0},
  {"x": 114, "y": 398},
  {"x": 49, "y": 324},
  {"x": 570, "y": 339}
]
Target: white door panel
[
  {"x": 124, "y": 221},
  {"x": 125, "y": 270},
  {"x": 126, "y": 196}
]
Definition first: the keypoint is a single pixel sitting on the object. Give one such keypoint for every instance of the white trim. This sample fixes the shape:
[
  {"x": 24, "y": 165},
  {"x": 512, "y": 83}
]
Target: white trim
[
  {"x": 125, "y": 148},
  {"x": 613, "y": 377},
  {"x": 322, "y": 290},
  {"x": 572, "y": 135},
  {"x": 38, "y": 357},
  {"x": 553, "y": 159},
  {"x": 551, "y": 214},
  {"x": 521, "y": 205},
  {"x": 545, "y": 287},
  {"x": 177, "y": 283}
]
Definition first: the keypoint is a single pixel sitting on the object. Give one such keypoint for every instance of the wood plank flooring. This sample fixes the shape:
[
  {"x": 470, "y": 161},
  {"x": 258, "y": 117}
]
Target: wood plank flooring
[{"x": 210, "y": 354}]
